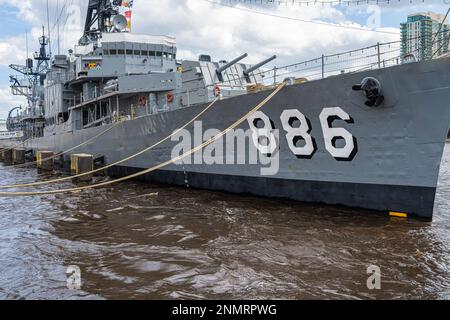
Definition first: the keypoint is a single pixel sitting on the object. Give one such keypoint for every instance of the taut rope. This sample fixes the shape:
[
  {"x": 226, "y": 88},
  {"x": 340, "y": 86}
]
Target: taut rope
[{"x": 157, "y": 167}]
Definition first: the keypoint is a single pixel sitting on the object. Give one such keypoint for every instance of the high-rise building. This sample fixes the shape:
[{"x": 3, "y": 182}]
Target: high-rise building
[{"x": 424, "y": 36}]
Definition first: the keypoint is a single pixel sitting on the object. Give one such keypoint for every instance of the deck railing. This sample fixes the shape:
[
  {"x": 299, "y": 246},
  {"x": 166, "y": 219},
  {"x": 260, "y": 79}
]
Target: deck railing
[{"x": 380, "y": 55}]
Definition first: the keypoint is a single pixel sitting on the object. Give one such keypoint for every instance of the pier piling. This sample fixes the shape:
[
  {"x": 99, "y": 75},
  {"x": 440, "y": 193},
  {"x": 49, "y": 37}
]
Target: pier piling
[
  {"x": 82, "y": 163},
  {"x": 7, "y": 156},
  {"x": 18, "y": 156},
  {"x": 44, "y": 160}
]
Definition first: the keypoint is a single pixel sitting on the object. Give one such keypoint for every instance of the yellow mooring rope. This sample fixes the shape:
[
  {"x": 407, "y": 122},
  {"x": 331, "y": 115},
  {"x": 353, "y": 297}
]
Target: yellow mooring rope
[
  {"x": 112, "y": 164},
  {"x": 157, "y": 167},
  {"x": 63, "y": 152}
]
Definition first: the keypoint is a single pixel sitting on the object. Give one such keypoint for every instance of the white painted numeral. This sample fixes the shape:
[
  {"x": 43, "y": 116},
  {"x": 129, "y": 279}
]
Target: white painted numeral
[
  {"x": 262, "y": 127},
  {"x": 331, "y": 134},
  {"x": 288, "y": 118},
  {"x": 262, "y": 132}
]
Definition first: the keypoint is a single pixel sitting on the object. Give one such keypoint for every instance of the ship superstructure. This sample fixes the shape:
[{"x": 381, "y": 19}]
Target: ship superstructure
[{"x": 113, "y": 75}]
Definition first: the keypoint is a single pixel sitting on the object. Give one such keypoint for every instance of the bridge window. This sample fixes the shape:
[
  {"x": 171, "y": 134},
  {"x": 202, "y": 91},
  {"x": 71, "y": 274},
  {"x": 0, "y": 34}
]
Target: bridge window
[
  {"x": 105, "y": 52},
  {"x": 144, "y": 53},
  {"x": 137, "y": 52},
  {"x": 113, "y": 52},
  {"x": 159, "y": 53},
  {"x": 152, "y": 53},
  {"x": 121, "y": 52},
  {"x": 129, "y": 52}
]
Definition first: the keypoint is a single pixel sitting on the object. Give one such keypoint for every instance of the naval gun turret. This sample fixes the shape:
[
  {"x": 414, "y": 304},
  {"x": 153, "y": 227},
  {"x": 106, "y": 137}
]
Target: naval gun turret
[
  {"x": 228, "y": 65},
  {"x": 248, "y": 71}
]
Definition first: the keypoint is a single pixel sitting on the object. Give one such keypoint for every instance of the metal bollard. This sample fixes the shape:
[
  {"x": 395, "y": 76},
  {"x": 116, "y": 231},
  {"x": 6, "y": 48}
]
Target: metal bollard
[
  {"x": 18, "y": 156},
  {"x": 82, "y": 163},
  {"x": 7, "y": 157},
  {"x": 44, "y": 160}
]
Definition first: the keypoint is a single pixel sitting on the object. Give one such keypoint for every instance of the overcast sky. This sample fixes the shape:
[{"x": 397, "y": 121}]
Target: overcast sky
[{"x": 201, "y": 26}]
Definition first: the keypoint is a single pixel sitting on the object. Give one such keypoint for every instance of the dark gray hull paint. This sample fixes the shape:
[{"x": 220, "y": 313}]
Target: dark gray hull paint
[
  {"x": 367, "y": 196},
  {"x": 400, "y": 144}
]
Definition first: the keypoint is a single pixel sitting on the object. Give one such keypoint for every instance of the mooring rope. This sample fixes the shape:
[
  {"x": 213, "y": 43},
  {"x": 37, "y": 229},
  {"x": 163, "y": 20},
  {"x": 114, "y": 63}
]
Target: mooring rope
[
  {"x": 157, "y": 167},
  {"x": 112, "y": 164},
  {"x": 24, "y": 165}
]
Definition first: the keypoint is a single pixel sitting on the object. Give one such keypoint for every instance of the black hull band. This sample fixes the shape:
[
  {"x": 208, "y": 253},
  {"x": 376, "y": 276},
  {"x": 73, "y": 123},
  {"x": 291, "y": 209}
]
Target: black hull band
[{"x": 417, "y": 201}]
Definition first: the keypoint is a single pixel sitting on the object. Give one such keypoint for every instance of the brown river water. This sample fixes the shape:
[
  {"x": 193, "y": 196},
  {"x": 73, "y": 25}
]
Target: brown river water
[{"x": 141, "y": 241}]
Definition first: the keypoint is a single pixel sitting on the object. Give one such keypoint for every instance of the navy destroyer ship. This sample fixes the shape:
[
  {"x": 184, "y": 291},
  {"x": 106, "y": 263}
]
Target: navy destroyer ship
[{"x": 371, "y": 138}]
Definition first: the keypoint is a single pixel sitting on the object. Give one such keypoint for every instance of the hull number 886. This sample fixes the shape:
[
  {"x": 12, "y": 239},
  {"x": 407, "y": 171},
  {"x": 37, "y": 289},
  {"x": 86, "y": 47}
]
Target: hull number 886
[{"x": 298, "y": 133}]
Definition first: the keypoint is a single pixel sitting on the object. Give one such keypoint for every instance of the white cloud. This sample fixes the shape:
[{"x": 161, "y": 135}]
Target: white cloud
[
  {"x": 12, "y": 51},
  {"x": 24, "y": 7},
  {"x": 13, "y": 48},
  {"x": 202, "y": 27}
]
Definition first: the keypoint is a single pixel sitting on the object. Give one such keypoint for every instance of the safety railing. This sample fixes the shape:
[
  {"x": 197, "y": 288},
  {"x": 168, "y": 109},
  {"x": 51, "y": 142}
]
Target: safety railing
[{"x": 380, "y": 55}]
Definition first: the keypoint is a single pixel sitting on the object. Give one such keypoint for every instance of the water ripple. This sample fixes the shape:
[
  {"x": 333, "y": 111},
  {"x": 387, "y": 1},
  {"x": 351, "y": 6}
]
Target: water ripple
[{"x": 158, "y": 242}]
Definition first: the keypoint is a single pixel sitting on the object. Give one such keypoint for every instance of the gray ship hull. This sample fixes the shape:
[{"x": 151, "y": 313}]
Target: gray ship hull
[{"x": 396, "y": 156}]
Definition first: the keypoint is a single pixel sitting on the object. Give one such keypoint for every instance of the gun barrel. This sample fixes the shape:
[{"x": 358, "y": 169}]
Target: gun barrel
[
  {"x": 231, "y": 63},
  {"x": 259, "y": 65}
]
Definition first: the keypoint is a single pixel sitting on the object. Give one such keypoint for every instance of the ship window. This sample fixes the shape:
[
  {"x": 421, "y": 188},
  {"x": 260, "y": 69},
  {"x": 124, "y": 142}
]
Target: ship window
[
  {"x": 158, "y": 53},
  {"x": 151, "y": 53},
  {"x": 105, "y": 52},
  {"x": 144, "y": 53},
  {"x": 113, "y": 51},
  {"x": 137, "y": 52},
  {"x": 174, "y": 56},
  {"x": 129, "y": 52},
  {"x": 120, "y": 52}
]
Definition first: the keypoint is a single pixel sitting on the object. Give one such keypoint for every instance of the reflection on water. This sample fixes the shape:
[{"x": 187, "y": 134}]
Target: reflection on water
[{"x": 151, "y": 242}]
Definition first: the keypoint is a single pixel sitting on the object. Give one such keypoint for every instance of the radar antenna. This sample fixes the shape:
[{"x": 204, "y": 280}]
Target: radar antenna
[{"x": 103, "y": 16}]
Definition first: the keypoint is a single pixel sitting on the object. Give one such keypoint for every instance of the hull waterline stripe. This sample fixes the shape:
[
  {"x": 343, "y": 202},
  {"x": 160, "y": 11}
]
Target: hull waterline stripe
[{"x": 159, "y": 166}]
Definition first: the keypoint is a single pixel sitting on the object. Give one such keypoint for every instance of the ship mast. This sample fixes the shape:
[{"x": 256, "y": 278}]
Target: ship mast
[
  {"x": 32, "y": 78},
  {"x": 102, "y": 17}
]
